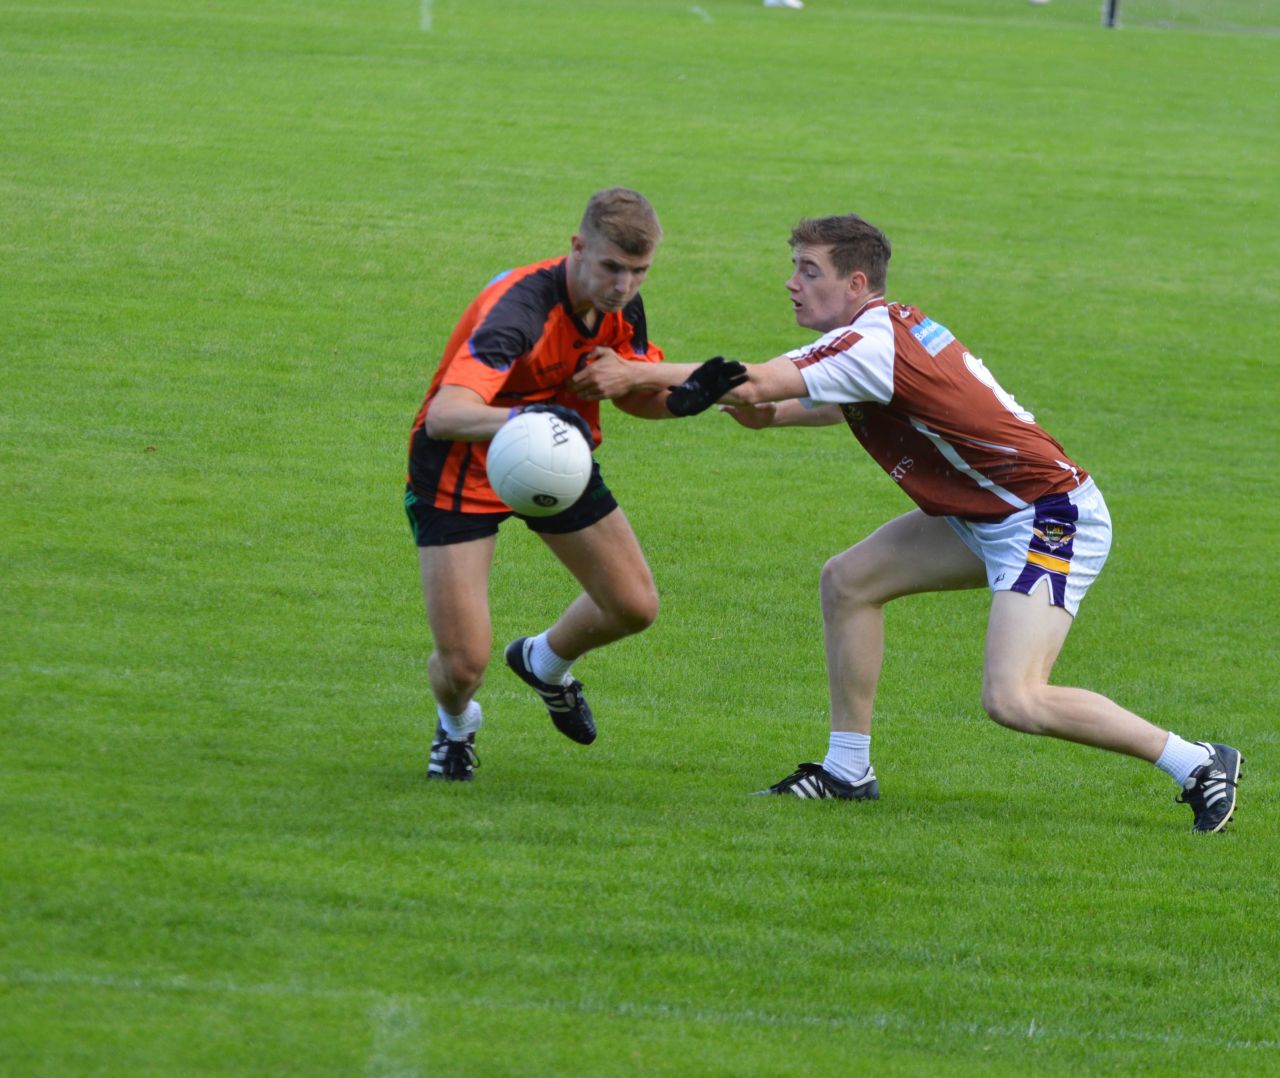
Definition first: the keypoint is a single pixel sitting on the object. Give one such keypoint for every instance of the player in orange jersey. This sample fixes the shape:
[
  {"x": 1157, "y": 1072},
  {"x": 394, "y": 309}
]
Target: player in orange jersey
[
  {"x": 563, "y": 335},
  {"x": 1000, "y": 504}
]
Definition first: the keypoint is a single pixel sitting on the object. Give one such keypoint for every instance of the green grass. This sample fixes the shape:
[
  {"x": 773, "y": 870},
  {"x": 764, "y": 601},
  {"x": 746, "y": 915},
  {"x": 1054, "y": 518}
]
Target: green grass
[
  {"x": 1218, "y": 16},
  {"x": 234, "y": 237}
]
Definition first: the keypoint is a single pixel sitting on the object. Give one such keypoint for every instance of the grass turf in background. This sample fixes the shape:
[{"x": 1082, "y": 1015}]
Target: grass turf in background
[
  {"x": 1203, "y": 16},
  {"x": 236, "y": 237}
]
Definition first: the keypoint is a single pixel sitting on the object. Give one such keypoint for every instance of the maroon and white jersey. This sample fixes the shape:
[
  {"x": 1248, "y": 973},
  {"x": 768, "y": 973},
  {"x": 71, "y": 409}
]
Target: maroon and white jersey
[{"x": 932, "y": 415}]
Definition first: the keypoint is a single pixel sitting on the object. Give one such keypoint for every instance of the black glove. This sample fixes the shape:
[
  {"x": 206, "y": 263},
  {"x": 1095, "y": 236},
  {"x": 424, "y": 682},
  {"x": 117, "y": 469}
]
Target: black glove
[
  {"x": 705, "y": 386},
  {"x": 574, "y": 419}
]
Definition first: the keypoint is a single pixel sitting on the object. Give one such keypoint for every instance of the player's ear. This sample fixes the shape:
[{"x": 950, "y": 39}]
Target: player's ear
[
  {"x": 577, "y": 245},
  {"x": 857, "y": 283}
]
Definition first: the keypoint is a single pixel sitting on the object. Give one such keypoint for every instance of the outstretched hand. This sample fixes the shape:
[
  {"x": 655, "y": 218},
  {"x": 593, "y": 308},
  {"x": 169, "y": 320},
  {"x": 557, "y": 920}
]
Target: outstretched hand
[
  {"x": 705, "y": 386},
  {"x": 568, "y": 415},
  {"x": 755, "y": 416}
]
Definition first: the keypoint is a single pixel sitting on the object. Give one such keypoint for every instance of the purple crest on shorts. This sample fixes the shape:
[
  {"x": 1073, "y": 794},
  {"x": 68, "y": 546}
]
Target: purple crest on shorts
[
  {"x": 1054, "y": 534},
  {"x": 1050, "y": 549}
]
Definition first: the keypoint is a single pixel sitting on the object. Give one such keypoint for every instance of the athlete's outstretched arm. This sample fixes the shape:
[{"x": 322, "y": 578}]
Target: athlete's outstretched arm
[
  {"x": 753, "y": 384},
  {"x": 777, "y": 380},
  {"x": 707, "y": 384},
  {"x": 790, "y": 413},
  {"x": 608, "y": 376}
]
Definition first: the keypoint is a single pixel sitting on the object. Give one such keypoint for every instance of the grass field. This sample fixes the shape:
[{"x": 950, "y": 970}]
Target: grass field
[
  {"x": 233, "y": 239},
  {"x": 1213, "y": 16}
]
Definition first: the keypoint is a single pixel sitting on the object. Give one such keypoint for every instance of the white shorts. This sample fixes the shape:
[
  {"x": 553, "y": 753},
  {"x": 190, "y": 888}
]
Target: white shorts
[{"x": 1062, "y": 540}]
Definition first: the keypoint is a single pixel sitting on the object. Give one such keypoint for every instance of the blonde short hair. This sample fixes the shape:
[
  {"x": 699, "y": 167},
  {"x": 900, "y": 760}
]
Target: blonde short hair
[{"x": 623, "y": 217}]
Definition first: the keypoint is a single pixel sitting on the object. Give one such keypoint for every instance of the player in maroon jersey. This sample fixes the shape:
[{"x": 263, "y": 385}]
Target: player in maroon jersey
[
  {"x": 1000, "y": 504},
  {"x": 559, "y": 335}
]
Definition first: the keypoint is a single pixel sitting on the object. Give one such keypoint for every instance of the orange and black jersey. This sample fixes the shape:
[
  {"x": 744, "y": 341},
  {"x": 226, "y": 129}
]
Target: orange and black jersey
[{"x": 519, "y": 342}]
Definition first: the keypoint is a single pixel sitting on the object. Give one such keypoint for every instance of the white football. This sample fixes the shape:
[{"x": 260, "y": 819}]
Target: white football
[{"x": 538, "y": 464}]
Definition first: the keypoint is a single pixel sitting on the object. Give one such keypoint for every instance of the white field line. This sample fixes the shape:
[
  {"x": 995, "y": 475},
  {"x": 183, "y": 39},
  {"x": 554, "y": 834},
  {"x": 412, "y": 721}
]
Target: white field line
[
  {"x": 397, "y": 1027},
  {"x": 394, "y": 1016},
  {"x": 424, "y": 15}
]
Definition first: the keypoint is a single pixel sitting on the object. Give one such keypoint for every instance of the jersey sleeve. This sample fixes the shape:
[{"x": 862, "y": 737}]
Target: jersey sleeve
[
  {"x": 652, "y": 354},
  {"x": 502, "y": 335},
  {"x": 847, "y": 366},
  {"x": 471, "y": 373}
]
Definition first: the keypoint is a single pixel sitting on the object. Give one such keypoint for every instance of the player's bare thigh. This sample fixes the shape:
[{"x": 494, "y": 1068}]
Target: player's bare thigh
[
  {"x": 455, "y": 588},
  {"x": 910, "y": 554},
  {"x": 607, "y": 561},
  {"x": 1025, "y": 635}
]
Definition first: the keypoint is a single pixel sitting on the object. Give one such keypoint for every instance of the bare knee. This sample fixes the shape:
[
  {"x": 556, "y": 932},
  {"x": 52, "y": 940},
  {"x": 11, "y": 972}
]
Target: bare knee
[
  {"x": 459, "y": 670},
  {"x": 635, "y": 612},
  {"x": 1013, "y": 706},
  {"x": 844, "y": 583}
]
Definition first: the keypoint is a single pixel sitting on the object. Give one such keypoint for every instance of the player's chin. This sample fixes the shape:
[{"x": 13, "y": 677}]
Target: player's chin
[{"x": 809, "y": 320}]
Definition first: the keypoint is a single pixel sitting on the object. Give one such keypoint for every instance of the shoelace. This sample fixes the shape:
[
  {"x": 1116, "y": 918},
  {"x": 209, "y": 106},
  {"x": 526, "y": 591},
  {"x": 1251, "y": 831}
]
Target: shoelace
[{"x": 464, "y": 749}]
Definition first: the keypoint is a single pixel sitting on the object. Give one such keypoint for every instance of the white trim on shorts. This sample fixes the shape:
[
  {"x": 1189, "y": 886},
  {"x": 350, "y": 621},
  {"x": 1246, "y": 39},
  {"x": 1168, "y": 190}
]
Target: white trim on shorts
[{"x": 1043, "y": 544}]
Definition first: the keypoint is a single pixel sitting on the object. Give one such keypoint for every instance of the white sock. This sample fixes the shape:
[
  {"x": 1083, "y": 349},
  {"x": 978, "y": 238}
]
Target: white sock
[
  {"x": 458, "y": 727},
  {"x": 848, "y": 755},
  {"x": 546, "y": 664},
  {"x": 1180, "y": 758}
]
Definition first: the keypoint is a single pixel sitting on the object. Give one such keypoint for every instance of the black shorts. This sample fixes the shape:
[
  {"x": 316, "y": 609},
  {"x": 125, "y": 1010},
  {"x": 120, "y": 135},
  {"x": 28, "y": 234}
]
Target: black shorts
[{"x": 441, "y": 527}]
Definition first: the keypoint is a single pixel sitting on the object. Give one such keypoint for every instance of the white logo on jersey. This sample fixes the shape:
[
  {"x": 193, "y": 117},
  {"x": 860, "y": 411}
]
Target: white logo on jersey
[
  {"x": 900, "y": 469},
  {"x": 979, "y": 370},
  {"x": 1075, "y": 474}
]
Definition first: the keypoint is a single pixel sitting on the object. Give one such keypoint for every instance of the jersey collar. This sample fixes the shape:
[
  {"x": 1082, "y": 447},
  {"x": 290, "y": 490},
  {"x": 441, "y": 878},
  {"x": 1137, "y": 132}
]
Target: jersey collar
[
  {"x": 870, "y": 305},
  {"x": 562, "y": 284}
]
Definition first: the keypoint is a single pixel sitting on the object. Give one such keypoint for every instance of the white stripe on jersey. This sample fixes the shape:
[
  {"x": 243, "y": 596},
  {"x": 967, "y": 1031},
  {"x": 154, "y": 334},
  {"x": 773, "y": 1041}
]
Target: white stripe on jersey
[
  {"x": 995, "y": 447},
  {"x": 961, "y": 465}
]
